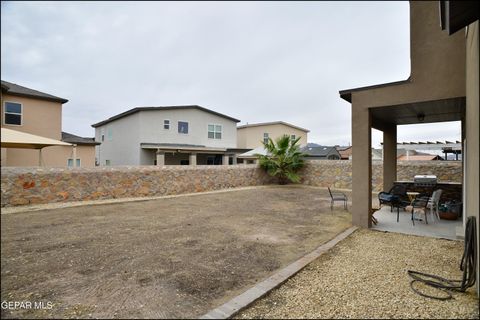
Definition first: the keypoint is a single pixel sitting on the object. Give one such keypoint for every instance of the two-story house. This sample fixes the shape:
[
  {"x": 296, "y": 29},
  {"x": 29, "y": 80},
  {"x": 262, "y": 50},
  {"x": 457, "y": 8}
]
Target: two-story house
[
  {"x": 251, "y": 136},
  {"x": 169, "y": 135},
  {"x": 38, "y": 113}
]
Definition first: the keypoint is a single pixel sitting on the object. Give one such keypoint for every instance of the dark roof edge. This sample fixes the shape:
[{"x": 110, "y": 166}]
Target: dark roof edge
[
  {"x": 138, "y": 109},
  {"x": 347, "y": 94},
  {"x": 74, "y": 139},
  {"x": 61, "y": 100}
]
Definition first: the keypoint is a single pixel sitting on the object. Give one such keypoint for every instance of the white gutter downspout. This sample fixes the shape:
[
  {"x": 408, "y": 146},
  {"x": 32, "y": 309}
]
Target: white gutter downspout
[{"x": 74, "y": 155}]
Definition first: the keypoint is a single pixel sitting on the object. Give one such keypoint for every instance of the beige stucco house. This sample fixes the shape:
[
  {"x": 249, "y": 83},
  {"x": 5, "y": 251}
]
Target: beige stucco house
[
  {"x": 251, "y": 136},
  {"x": 443, "y": 86},
  {"x": 38, "y": 113}
]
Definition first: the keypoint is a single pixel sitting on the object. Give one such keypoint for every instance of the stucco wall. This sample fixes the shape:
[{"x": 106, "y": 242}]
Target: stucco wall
[
  {"x": 252, "y": 137},
  {"x": 21, "y": 186},
  {"x": 122, "y": 137}
]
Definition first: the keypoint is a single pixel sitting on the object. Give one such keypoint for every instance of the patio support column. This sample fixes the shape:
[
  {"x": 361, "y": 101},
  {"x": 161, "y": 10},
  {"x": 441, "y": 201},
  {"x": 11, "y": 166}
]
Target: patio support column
[
  {"x": 234, "y": 156},
  {"x": 389, "y": 156},
  {"x": 160, "y": 158},
  {"x": 225, "y": 159},
  {"x": 361, "y": 166},
  {"x": 193, "y": 159}
]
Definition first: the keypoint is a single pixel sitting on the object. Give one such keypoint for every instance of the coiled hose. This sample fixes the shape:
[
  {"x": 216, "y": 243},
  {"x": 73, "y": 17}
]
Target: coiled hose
[{"x": 468, "y": 265}]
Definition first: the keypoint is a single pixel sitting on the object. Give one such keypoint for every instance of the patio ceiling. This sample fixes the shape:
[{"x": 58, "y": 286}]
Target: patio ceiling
[{"x": 420, "y": 112}]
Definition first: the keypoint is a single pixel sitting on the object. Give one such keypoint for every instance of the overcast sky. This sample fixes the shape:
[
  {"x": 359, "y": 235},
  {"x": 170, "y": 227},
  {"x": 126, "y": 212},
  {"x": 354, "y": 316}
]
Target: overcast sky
[{"x": 254, "y": 61}]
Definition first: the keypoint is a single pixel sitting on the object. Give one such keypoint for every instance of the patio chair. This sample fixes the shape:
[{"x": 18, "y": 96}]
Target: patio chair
[
  {"x": 433, "y": 203},
  {"x": 395, "y": 197},
  {"x": 419, "y": 205},
  {"x": 337, "y": 196}
]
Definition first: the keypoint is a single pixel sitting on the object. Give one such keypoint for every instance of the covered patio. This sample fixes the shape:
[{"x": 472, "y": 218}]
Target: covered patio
[{"x": 443, "y": 86}]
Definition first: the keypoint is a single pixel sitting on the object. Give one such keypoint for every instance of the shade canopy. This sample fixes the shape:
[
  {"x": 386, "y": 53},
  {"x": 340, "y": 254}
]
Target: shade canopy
[{"x": 16, "y": 139}]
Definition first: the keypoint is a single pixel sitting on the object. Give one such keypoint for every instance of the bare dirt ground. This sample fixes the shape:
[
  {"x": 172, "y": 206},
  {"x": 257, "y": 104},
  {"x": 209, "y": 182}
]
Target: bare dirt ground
[{"x": 167, "y": 258}]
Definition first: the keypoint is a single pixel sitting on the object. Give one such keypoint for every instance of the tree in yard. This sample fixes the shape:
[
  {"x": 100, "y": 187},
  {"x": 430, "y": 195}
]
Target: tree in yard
[{"x": 283, "y": 159}]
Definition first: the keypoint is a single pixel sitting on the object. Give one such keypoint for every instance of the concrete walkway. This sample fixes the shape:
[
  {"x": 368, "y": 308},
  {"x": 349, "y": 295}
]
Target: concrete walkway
[{"x": 387, "y": 221}]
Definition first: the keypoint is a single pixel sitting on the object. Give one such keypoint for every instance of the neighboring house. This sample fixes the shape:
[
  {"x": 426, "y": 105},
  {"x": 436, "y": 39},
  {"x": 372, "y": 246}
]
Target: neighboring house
[
  {"x": 251, "y": 136},
  {"x": 38, "y": 113},
  {"x": 169, "y": 135},
  {"x": 442, "y": 86},
  {"x": 321, "y": 153},
  {"x": 345, "y": 152}
]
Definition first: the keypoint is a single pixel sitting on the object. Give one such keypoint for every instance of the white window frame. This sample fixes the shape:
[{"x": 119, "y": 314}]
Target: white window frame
[
  {"x": 79, "y": 162},
  {"x": 5, "y": 111},
  {"x": 214, "y": 131},
  {"x": 169, "y": 124},
  {"x": 109, "y": 134},
  {"x": 188, "y": 127},
  {"x": 266, "y": 135}
]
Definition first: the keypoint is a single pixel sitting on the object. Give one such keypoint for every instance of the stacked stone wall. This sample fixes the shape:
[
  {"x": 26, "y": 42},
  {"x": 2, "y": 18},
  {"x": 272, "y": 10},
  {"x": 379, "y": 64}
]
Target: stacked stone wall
[{"x": 25, "y": 186}]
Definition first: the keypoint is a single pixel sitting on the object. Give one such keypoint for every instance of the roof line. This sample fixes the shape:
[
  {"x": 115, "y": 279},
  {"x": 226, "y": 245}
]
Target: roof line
[
  {"x": 347, "y": 93},
  {"x": 15, "y": 90},
  {"x": 138, "y": 109},
  {"x": 271, "y": 123}
]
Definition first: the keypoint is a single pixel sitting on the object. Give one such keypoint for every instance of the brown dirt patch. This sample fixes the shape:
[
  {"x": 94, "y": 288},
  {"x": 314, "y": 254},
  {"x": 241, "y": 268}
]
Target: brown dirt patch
[{"x": 167, "y": 258}]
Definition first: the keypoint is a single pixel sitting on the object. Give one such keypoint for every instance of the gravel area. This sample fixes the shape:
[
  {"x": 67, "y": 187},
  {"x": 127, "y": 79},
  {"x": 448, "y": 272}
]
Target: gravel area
[{"x": 365, "y": 276}]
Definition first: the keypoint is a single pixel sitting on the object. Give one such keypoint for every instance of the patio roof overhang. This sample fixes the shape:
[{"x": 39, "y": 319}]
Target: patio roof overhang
[
  {"x": 189, "y": 148},
  {"x": 21, "y": 140},
  {"x": 452, "y": 109}
]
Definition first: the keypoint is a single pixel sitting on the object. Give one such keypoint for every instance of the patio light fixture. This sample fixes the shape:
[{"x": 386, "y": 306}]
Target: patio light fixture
[{"x": 421, "y": 117}]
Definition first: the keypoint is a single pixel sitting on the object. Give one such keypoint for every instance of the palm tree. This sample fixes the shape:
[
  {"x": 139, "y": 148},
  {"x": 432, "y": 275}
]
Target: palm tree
[{"x": 283, "y": 159}]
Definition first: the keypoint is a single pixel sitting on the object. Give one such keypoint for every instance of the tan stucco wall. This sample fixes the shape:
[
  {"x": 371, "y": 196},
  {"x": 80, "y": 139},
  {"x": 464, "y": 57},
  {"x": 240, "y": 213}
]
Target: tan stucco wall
[
  {"x": 43, "y": 118},
  {"x": 51, "y": 156},
  {"x": 252, "y": 137},
  {"x": 437, "y": 72},
  {"x": 40, "y": 117},
  {"x": 472, "y": 132}
]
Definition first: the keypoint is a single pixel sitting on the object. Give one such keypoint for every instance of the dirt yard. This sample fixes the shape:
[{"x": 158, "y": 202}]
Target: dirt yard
[{"x": 167, "y": 258}]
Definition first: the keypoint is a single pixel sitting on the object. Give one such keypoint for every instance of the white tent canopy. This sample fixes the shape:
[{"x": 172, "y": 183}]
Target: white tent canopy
[{"x": 16, "y": 139}]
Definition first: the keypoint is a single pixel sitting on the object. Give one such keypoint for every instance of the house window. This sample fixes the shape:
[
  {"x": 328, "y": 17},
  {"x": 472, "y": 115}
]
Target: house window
[
  {"x": 109, "y": 134},
  {"x": 166, "y": 124},
  {"x": 70, "y": 162},
  {"x": 108, "y": 163},
  {"x": 265, "y": 138},
  {"x": 102, "y": 134},
  {"x": 292, "y": 137},
  {"x": 184, "y": 162},
  {"x": 214, "y": 131},
  {"x": 13, "y": 113},
  {"x": 183, "y": 127}
]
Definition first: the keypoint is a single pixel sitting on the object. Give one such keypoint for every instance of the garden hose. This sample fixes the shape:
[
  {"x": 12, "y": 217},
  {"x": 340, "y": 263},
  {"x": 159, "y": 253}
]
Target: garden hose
[{"x": 468, "y": 265}]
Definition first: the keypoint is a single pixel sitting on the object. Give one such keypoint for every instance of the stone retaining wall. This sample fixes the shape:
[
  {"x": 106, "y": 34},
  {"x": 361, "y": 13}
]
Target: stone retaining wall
[
  {"x": 23, "y": 186},
  {"x": 338, "y": 173}
]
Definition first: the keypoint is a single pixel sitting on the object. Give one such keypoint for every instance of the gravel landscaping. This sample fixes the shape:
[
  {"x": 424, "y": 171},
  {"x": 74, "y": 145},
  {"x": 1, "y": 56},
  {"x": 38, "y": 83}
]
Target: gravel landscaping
[{"x": 365, "y": 276}]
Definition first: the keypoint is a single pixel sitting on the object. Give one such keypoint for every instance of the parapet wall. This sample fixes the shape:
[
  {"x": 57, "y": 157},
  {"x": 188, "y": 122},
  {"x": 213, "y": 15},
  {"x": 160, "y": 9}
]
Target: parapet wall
[{"x": 24, "y": 186}]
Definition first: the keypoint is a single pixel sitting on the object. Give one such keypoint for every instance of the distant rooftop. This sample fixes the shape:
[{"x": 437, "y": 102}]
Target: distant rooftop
[
  {"x": 17, "y": 90},
  {"x": 71, "y": 138},
  {"x": 271, "y": 123}
]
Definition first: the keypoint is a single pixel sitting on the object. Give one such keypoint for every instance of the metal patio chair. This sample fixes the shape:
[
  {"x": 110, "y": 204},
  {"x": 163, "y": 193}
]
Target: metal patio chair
[{"x": 338, "y": 196}]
